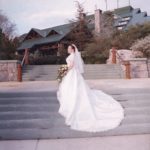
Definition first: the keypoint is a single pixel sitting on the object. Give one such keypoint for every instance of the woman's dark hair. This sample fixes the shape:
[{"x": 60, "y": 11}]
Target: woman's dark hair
[{"x": 73, "y": 47}]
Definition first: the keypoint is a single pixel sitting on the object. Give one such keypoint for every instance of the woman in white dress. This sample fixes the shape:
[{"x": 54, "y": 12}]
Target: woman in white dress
[{"x": 85, "y": 109}]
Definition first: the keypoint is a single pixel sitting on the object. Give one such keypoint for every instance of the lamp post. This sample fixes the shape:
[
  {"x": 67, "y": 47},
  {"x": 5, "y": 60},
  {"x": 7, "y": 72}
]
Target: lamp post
[
  {"x": 129, "y": 2},
  {"x": 117, "y": 3},
  {"x": 106, "y": 4}
]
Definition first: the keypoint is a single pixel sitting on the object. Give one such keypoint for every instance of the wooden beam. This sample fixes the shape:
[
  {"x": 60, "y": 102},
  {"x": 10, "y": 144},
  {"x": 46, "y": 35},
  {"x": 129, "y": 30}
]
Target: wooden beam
[{"x": 26, "y": 56}]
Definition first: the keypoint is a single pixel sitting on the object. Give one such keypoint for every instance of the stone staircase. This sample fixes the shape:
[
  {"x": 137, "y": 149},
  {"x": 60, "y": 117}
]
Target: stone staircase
[
  {"x": 34, "y": 115},
  {"x": 92, "y": 71}
]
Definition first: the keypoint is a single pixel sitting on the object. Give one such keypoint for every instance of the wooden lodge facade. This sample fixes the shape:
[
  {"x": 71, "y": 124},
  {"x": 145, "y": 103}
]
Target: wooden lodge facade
[{"x": 51, "y": 40}]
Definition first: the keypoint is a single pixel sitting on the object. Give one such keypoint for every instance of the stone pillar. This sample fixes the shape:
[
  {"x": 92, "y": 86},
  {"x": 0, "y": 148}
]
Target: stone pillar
[
  {"x": 8, "y": 70},
  {"x": 113, "y": 51},
  {"x": 26, "y": 56},
  {"x": 127, "y": 69},
  {"x": 19, "y": 70},
  {"x": 98, "y": 19}
]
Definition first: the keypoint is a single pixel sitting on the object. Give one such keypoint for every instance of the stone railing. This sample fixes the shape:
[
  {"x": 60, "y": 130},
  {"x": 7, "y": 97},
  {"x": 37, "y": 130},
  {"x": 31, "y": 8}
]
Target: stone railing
[
  {"x": 115, "y": 58},
  {"x": 148, "y": 67},
  {"x": 8, "y": 70},
  {"x": 133, "y": 67},
  {"x": 139, "y": 67}
]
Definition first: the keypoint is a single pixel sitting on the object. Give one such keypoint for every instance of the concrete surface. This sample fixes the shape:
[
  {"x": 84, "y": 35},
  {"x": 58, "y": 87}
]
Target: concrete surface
[
  {"x": 21, "y": 114},
  {"x": 128, "y": 142}
]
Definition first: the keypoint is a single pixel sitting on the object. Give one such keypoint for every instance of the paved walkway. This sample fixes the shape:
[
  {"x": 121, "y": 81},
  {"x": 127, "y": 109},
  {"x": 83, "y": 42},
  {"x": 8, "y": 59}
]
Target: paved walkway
[
  {"x": 126, "y": 142},
  {"x": 20, "y": 98},
  {"x": 104, "y": 84}
]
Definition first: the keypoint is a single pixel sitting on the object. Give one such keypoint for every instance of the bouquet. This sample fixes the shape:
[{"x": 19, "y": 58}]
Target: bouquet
[{"x": 62, "y": 71}]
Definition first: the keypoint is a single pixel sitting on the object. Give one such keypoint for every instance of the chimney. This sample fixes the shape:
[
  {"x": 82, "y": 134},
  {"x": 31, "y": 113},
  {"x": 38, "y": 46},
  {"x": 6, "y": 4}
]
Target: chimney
[{"x": 98, "y": 19}]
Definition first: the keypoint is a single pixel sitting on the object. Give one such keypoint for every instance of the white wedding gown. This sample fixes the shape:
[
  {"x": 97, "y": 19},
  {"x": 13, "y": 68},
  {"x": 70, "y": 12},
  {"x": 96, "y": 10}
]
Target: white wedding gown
[{"x": 86, "y": 109}]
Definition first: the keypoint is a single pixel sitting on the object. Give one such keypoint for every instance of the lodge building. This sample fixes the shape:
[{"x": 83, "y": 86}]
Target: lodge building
[{"x": 49, "y": 41}]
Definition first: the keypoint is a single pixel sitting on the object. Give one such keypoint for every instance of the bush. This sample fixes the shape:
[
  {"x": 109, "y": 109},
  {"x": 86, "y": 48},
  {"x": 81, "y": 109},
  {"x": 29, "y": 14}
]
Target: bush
[
  {"x": 142, "y": 45},
  {"x": 124, "y": 39},
  {"x": 97, "y": 52}
]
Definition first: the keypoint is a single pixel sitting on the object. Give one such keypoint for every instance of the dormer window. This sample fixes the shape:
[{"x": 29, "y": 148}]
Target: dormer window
[
  {"x": 52, "y": 32},
  {"x": 32, "y": 35},
  {"x": 139, "y": 11},
  {"x": 145, "y": 14}
]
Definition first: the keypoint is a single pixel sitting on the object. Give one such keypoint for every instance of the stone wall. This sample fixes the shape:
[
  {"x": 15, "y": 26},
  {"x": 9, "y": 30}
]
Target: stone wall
[
  {"x": 139, "y": 68},
  {"x": 148, "y": 64},
  {"x": 8, "y": 70}
]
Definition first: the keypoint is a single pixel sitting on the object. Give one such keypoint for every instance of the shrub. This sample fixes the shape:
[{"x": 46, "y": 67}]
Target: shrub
[{"x": 142, "y": 45}]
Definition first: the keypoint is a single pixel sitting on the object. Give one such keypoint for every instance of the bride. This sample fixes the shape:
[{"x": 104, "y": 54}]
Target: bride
[{"x": 85, "y": 109}]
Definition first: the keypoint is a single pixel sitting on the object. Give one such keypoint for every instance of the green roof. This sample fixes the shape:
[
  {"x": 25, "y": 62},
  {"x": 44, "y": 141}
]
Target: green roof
[
  {"x": 123, "y": 10},
  {"x": 62, "y": 31}
]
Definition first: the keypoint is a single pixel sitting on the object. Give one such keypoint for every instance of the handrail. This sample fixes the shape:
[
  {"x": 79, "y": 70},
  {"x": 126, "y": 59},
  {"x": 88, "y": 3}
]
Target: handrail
[
  {"x": 22, "y": 62},
  {"x": 126, "y": 64},
  {"x": 148, "y": 71},
  {"x": 121, "y": 59}
]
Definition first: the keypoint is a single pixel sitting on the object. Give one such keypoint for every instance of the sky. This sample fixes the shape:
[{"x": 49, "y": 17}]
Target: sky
[{"x": 27, "y": 14}]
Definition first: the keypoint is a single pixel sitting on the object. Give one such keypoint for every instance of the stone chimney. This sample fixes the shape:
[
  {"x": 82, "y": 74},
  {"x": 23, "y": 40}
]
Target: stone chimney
[{"x": 98, "y": 19}]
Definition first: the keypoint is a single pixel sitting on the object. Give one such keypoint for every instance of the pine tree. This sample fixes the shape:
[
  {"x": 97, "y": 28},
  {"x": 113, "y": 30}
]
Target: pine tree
[{"x": 80, "y": 34}]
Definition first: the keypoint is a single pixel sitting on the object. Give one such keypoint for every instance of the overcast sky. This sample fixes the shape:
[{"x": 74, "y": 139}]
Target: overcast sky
[{"x": 27, "y": 14}]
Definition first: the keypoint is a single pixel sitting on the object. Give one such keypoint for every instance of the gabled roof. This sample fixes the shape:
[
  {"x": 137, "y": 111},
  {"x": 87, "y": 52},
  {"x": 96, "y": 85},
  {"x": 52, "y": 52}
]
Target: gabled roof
[
  {"x": 123, "y": 10},
  {"x": 38, "y": 41},
  {"x": 52, "y": 32},
  {"x": 63, "y": 30}
]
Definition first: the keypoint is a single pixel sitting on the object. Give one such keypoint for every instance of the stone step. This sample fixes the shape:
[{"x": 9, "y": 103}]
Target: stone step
[
  {"x": 29, "y": 108},
  {"x": 65, "y": 132},
  {"x": 132, "y": 111},
  {"x": 89, "y": 76},
  {"x": 31, "y": 94},
  {"x": 88, "y": 72},
  {"x": 137, "y": 111},
  {"x": 51, "y": 121},
  {"x": 133, "y": 97},
  {"x": 30, "y": 101},
  {"x": 34, "y": 115},
  {"x": 85, "y": 66},
  {"x": 31, "y": 123},
  {"x": 86, "y": 75},
  {"x": 49, "y": 72},
  {"x": 23, "y": 103},
  {"x": 41, "y": 99},
  {"x": 19, "y": 115},
  {"x": 140, "y": 118},
  {"x": 136, "y": 103}
]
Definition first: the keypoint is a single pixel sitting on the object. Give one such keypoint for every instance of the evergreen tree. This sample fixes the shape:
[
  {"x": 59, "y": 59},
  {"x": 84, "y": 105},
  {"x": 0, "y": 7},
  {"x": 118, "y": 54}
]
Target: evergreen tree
[{"x": 80, "y": 34}]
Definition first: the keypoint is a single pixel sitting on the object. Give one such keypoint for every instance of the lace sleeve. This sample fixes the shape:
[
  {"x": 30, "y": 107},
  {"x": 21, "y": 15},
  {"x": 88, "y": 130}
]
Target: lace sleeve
[{"x": 70, "y": 61}]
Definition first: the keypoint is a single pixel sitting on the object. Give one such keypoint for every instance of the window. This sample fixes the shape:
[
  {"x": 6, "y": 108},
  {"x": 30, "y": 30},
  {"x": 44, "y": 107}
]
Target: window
[
  {"x": 122, "y": 23},
  {"x": 126, "y": 19},
  {"x": 120, "y": 28}
]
